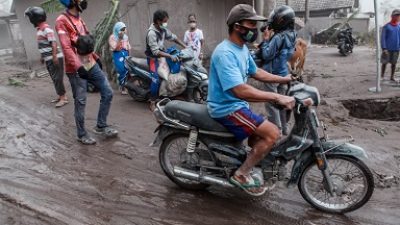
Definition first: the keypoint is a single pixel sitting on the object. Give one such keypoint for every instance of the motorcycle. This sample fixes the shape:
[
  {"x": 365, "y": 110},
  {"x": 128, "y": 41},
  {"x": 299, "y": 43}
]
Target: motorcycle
[
  {"x": 196, "y": 152},
  {"x": 345, "y": 41},
  {"x": 139, "y": 80}
]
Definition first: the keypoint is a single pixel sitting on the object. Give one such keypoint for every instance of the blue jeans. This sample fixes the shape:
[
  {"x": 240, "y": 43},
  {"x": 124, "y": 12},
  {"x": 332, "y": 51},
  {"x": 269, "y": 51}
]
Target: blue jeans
[{"x": 79, "y": 90}]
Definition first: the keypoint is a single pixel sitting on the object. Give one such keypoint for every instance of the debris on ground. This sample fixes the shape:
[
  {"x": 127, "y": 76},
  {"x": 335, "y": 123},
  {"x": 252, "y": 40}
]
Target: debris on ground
[{"x": 12, "y": 81}]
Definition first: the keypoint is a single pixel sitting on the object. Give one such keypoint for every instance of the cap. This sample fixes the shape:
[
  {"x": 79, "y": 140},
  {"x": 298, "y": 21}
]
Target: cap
[
  {"x": 396, "y": 12},
  {"x": 243, "y": 12}
]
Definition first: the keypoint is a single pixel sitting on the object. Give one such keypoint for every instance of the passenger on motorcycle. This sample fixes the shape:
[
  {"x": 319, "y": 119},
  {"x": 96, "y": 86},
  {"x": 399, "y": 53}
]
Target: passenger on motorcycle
[
  {"x": 229, "y": 94},
  {"x": 276, "y": 50},
  {"x": 155, "y": 38}
]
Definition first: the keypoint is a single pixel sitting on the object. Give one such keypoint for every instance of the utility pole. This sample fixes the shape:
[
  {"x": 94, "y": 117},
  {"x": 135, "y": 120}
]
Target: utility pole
[
  {"x": 307, "y": 11},
  {"x": 377, "y": 88}
]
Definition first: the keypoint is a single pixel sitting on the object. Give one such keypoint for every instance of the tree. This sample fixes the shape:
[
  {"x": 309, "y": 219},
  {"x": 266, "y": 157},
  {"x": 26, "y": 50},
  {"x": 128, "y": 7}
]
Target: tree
[{"x": 101, "y": 32}]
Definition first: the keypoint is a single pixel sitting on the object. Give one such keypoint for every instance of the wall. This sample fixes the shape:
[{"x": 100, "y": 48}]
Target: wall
[
  {"x": 4, "y": 36},
  {"x": 137, "y": 14}
]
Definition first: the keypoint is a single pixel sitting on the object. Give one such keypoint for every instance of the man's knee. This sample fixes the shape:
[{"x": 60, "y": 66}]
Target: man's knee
[
  {"x": 80, "y": 101},
  {"x": 269, "y": 132}
]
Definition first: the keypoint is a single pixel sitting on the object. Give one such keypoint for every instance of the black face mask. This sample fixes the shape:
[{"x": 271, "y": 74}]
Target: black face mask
[
  {"x": 82, "y": 5},
  {"x": 250, "y": 35}
]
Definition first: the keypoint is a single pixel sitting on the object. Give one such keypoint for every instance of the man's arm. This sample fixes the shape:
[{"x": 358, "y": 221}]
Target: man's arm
[
  {"x": 269, "y": 49},
  {"x": 383, "y": 38},
  {"x": 264, "y": 76},
  {"x": 252, "y": 94},
  {"x": 54, "y": 52},
  {"x": 179, "y": 42}
]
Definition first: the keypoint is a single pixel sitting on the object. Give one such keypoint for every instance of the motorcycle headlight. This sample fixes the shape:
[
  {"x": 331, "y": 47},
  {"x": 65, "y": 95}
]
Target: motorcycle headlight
[{"x": 203, "y": 76}]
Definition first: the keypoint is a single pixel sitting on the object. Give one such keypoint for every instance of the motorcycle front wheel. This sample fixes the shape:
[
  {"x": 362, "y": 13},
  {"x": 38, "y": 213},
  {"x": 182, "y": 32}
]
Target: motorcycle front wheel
[
  {"x": 140, "y": 85},
  {"x": 352, "y": 181},
  {"x": 199, "y": 97},
  {"x": 173, "y": 153}
]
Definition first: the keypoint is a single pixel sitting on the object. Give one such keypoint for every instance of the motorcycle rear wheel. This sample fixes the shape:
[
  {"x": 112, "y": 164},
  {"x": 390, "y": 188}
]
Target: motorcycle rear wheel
[
  {"x": 178, "y": 143},
  {"x": 345, "y": 199},
  {"x": 343, "y": 50}
]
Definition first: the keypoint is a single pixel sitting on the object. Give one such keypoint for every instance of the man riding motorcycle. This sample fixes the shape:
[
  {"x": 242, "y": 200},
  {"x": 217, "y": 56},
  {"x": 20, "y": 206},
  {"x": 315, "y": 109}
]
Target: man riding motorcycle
[
  {"x": 155, "y": 38},
  {"x": 229, "y": 94}
]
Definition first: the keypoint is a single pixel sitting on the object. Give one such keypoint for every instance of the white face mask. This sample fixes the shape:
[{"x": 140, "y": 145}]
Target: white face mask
[
  {"x": 164, "y": 25},
  {"x": 192, "y": 25}
]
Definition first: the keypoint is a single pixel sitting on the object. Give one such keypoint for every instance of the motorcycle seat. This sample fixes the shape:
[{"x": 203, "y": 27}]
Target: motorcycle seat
[
  {"x": 193, "y": 114},
  {"x": 139, "y": 62}
]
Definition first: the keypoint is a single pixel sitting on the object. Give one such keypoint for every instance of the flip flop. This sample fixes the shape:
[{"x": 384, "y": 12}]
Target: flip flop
[
  {"x": 250, "y": 184},
  {"x": 55, "y": 100},
  {"x": 61, "y": 103}
]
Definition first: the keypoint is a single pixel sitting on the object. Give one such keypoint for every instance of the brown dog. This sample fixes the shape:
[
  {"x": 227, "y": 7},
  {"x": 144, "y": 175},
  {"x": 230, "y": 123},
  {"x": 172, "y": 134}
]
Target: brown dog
[{"x": 296, "y": 63}]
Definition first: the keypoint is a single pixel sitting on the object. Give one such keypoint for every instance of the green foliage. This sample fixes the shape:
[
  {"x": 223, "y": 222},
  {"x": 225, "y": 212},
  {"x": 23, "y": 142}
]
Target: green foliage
[
  {"x": 52, "y": 6},
  {"x": 101, "y": 32}
]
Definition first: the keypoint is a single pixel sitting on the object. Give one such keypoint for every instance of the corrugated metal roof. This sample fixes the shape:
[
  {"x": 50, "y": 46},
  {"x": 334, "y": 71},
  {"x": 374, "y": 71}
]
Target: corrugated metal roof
[{"x": 317, "y": 5}]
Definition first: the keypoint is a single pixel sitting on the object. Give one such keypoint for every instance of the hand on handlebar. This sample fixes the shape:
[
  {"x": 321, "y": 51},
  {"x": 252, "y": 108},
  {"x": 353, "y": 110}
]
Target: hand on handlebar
[
  {"x": 286, "y": 101},
  {"x": 174, "y": 58}
]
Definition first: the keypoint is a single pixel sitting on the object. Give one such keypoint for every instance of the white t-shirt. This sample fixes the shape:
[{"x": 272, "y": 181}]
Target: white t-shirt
[{"x": 193, "y": 40}]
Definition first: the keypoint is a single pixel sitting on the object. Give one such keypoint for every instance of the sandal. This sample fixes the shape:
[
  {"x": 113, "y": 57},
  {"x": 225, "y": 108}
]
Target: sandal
[
  {"x": 55, "y": 100},
  {"x": 87, "y": 140},
  {"x": 106, "y": 131},
  {"x": 252, "y": 186},
  {"x": 61, "y": 103}
]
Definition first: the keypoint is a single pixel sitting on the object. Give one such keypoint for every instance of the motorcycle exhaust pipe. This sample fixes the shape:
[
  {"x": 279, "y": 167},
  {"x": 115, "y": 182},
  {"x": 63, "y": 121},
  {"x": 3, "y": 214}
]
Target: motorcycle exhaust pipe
[{"x": 208, "y": 179}]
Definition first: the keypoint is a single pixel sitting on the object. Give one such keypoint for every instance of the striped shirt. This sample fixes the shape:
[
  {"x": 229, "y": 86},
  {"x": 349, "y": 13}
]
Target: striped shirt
[{"x": 45, "y": 37}]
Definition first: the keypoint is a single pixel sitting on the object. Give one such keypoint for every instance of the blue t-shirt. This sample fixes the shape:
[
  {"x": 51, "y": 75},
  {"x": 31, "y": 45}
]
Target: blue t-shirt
[
  {"x": 391, "y": 37},
  {"x": 231, "y": 65}
]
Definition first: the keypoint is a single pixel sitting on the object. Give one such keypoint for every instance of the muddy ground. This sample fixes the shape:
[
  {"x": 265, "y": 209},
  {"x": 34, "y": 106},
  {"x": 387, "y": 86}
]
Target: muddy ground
[{"x": 46, "y": 177}]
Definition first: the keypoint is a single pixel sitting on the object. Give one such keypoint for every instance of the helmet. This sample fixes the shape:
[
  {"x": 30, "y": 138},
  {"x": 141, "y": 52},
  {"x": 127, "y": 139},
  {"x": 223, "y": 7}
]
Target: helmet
[
  {"x": 36, "y": 15},
  {"x": 282, "y": 18},
  {"x": 66, "y": 3}
]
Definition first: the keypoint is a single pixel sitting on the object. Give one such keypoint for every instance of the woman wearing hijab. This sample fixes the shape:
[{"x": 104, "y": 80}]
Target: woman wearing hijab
[{"x": 119, "y": 45}]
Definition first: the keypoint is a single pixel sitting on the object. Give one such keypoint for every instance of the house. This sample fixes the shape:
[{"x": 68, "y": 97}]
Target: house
[
  {"x": 325, "y": 13},
  {"x": 10, "y": 34},
  {"x": 137, "y": 14},
  {"x": 319, "y": 8}
]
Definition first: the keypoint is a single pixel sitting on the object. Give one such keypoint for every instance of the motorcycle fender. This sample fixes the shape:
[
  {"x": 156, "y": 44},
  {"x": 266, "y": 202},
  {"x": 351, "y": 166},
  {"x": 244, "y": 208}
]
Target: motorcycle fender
[
  {"x": 163, "y": 131},
  {"x": 332, "y": 148}
]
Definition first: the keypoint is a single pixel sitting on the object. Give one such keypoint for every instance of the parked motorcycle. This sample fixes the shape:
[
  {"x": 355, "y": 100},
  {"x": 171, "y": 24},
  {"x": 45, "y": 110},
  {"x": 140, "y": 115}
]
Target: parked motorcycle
[
  {"x": 196, "y": 152},
  {"x": 345, "y": 41},
  {"x": 139, "y": 80}
]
